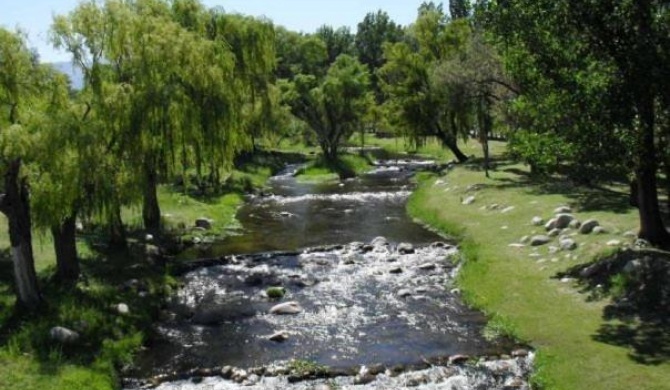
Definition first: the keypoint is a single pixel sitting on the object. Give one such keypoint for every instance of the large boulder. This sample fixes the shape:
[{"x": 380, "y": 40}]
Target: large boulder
[
  {"x": 588, "y": 226},
  {"x": 63, "y": 335},
  {"x": 563, "y": 220}
]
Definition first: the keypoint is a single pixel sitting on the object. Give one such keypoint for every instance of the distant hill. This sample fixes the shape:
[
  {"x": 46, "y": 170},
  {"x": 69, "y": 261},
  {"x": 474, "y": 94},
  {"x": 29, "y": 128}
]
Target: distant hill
[{"x": 74, "y": 73}]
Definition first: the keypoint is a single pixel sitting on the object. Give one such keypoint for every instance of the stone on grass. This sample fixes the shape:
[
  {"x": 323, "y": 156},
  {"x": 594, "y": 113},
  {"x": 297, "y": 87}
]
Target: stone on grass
[
  {"x": 563, "y": 210},
  {"x": 554, "y": 233},
  {"x": 537, "y": 221},
  {"x": 551, "y": 224},
  {"x": 575, "y": 224},
  {"x": 286, "y": 308},
  {"x": 563, "y": 220},
  {"x": 630, "y": 234},
  {"x": 204, "y": 223},
  {"x": 614, "y": 243},
  {"x": 568, "y": 244},
  {"x": 599, "y": 230},
  {"x": 122, "y": 308},
  {"x": 539, "y": 240},
  {"x": 469, "y": 200},
  {"x": 588, "y": 226},
  {"x": 63, "y": 335},
  {"x": 516, "y": 245},
  {"x": 508, "y": 209}
]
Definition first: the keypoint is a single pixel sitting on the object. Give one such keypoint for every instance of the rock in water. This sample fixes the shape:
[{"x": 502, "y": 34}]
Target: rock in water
[
  {"x": 286, "y": 308},
  {"x": 278, "y": 337},
  {"x": 588, "y": 226},
  {"x": 405, "y": 249},
  {"x": 63, "y": 335}
]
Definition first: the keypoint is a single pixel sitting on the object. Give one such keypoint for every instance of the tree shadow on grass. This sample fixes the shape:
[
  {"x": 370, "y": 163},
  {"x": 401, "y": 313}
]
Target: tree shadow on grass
[
  {"x": 592, "y": 198},
  {"x": 638, "y": 316}
]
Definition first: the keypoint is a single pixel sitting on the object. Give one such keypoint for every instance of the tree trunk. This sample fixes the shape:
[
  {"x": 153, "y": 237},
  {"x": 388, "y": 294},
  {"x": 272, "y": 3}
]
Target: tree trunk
[
  {"x": 451, "y": 143},
  {"x": 117, "y": 232},
  {"x": 151, "y": 212},
  {"x": 65, "y": 245},
  {"x": 15, "y": 204},
  {"x": 652, "y": 228}
]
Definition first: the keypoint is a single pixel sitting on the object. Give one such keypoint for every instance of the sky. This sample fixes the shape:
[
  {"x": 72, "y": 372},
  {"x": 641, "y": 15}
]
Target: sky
[{"x": 35, "y": 16}]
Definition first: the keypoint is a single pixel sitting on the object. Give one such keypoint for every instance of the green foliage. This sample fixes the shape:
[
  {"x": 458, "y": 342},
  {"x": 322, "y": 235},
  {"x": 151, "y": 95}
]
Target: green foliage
[
  {"x": 333, "y": 107},
  {"x": 276, "y": 292}
]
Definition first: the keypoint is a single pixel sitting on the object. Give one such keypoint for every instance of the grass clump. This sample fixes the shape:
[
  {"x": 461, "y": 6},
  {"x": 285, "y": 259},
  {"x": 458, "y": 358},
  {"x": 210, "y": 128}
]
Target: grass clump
[
  {"x": 578, "y": 345},
  {"x": 276, "y": 292}
]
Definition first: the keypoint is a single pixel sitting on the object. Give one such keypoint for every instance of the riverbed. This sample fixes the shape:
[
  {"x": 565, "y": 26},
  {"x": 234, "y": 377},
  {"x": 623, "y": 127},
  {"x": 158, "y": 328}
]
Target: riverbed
[{"x": 371, "y": 296}]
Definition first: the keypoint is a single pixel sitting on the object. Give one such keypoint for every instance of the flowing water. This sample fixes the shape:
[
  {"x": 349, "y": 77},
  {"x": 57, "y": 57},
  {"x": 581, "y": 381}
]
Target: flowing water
[{"x": 371, "y": 289}]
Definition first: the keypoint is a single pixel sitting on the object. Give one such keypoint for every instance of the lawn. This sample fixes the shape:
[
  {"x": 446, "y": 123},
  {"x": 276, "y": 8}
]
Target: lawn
[{"x": 518, "y": 287}]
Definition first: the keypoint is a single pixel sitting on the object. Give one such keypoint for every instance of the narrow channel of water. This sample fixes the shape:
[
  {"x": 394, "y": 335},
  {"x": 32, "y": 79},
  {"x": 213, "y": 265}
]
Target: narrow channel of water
[{"x": 362, "y": 300}]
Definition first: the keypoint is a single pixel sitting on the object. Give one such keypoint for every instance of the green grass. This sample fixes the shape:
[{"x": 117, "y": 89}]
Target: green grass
[
  {"x": 521, "y": 292},
  {"x": 30, "y": 360},
  {"x": 347, "y": 165}
]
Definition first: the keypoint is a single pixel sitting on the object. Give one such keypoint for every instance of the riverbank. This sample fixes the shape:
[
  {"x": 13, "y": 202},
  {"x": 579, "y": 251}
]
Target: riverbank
[
  {"x": 119, "y": 297},
  {"x": 517, "y": 284}
]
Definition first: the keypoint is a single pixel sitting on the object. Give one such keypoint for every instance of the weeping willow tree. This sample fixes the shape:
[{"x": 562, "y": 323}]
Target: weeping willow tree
[
  {"x": 170, "y": 82},
  {"x": 26, "y": 90}
]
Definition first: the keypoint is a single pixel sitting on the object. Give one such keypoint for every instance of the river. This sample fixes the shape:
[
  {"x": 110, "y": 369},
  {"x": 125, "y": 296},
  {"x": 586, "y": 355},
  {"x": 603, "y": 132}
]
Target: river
[{"x": 373, "y": 290}]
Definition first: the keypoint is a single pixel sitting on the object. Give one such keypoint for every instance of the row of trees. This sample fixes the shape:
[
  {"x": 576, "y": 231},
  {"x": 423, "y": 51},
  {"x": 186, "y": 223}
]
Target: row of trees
[
  {"x": 172, "y": 86},
  {"x": 169, "y": 86},
  {"x": 593, "y": 87}
]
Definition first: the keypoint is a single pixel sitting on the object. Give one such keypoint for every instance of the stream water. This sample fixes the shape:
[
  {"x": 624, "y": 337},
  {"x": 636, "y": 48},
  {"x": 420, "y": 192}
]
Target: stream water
[{"x": 372, "y": 289}]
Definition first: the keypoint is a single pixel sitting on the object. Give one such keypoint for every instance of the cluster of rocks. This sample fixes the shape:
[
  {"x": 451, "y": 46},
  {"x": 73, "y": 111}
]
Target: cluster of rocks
[
  {"x": 566, "y": 227},
  {"x": 509, "y": 370}
]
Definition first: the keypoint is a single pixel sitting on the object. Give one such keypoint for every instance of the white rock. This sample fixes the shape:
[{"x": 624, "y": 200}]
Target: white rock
[
  {"x": 508, "y": 209},
  {"x": 568, "y": 244},
  {"x": 122, "y": 308},
  {"x": 404, "y": 293},
  {"x": 614, "y": 243},
  {"x": 469, "y": 200},
  {"x": 286, "y": 308},
  {"x": 63, "y": 335},
  {"x": 563, "y": 210},
  {"x": 537, "y": 221}
]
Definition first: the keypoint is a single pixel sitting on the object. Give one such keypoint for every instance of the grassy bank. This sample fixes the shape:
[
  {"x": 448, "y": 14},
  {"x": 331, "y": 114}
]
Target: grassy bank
[
  {"x": 518, "y": 288},
  {"x": 29, "y": 359},
  {"x": 347, "y": 165}
]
